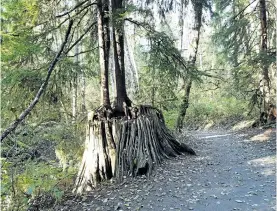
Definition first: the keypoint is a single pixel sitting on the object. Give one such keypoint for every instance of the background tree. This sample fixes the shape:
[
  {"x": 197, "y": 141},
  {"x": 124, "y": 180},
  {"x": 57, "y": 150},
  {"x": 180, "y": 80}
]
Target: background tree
[
  {"x": 242, "y": 32},
  {"x": 198, "y": 11}
]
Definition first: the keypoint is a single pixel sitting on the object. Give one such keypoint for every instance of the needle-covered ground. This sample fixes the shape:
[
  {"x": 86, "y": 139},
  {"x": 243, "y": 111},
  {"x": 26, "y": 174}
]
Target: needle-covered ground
[{"x": 232, "y": 171}]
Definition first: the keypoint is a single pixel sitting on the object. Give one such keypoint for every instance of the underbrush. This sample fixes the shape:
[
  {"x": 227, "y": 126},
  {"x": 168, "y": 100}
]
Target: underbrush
[
  {"x": 39, "y": 165},
  {"x": 210, "y": 112}
]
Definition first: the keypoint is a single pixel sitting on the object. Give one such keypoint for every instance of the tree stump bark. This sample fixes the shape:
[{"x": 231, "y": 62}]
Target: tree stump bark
[{"x": 128, "y": 145}]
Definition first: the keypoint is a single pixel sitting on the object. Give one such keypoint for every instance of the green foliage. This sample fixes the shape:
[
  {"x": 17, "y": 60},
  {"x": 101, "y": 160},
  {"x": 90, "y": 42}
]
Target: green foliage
[
  {"x": 210, "y": 107},
  {"x": 21, "y": 186},
  {"x": 164, "y": 55},
  {"x": 19, "y": 16},
  {"x": 237, "y": 35},
  {"x": 170, "y": 117},
  {"x": 68, "y": 140},
  {"x": 215, "y": 107},
  {"x": 156, "y": 86},
  {"x": 29, "y": 177}
]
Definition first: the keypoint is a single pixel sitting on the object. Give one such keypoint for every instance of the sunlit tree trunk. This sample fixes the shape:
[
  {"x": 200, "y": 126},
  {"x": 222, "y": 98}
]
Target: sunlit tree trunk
[
  {"x": 74, "y": 85},
  {"x": 83, "y": 93},
  {"x": 181, "y": 24},
  {"x": 129, "y": 52},
  {"x": 185, "y": 102},
  {"x": 82, "y": 80},
  {"x": 265, "y": 81}
]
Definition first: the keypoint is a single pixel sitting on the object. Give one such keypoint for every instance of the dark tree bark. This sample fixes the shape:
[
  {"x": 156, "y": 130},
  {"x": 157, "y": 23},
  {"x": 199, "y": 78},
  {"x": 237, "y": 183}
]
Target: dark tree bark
[
  {"x": 265, "y": 81},
  {"x": 104, "y": 49},
  {"x": 184, "y": 105},
  {"x": 121, "y": 97}
]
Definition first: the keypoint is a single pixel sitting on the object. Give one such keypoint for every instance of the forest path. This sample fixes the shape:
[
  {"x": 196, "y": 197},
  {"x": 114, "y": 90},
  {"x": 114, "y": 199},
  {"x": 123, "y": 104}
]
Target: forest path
[{"x": 232, "y": 171}]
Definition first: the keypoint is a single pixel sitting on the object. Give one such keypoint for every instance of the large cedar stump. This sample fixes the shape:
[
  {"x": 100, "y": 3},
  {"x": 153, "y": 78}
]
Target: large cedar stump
[{"x": 128, "y": 145}]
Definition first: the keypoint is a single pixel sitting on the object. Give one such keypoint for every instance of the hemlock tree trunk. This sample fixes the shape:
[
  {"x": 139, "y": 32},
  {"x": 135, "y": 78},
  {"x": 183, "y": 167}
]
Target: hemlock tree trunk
[
  {"x": 153, "y": 88},
  {"x": 123, "y": 140},
  {"x": 74, "y": 98},
  {"x": 82, "y": 81},
  {"x": 75, "y": 84},
  {"x": 265, "y": 81},
  {"x": 83, "y": 93},
  {"x": 181, "y": 25},
  {"x": 129, "y": 52},
  {"x": 185, "y": 102}
]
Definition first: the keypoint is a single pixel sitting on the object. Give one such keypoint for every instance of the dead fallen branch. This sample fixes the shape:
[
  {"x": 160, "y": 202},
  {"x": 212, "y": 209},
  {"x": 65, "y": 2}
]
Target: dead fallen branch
[{"x": 42, "y": 88}]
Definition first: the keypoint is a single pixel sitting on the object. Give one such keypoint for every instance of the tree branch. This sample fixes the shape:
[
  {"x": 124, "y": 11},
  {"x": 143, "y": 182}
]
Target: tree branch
[
  {"x": 25, "y": 113},
  {"x": 74, "y": 8},
  {"x": 80, "y": 38},
  {"x": 82, "y": 52},
  {"x": 139, "y": 24},
  {"x": 240, "y": 12},
  {"x": 210, "y": 75}
]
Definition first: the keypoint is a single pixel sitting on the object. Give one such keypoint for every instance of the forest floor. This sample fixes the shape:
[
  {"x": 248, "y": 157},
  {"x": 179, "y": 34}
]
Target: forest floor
[{"x": 232, "y": 171}]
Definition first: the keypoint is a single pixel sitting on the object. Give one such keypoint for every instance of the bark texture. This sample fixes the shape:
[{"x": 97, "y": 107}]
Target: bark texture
[
  {"x": 121, "y": 98},
  {"x": 184, "y": 105},
  {"x": 104, "y": 48},
  {"x": 185, "y": 102},
  {"x": 127, "y": 146},
  {"x": 265, "y": 81}
]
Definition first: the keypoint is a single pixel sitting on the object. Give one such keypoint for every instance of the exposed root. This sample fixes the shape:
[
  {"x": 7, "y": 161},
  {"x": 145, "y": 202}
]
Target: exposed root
[{"x": 128, "y": 146}]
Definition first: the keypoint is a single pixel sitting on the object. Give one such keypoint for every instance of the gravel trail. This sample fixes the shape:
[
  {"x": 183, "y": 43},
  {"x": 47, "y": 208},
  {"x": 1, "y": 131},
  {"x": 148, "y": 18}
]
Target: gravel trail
[{"x": 232, "y": 171}]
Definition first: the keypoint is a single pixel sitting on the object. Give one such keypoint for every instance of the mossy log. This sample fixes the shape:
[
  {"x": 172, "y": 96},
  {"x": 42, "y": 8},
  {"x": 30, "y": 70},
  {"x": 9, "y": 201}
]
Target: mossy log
[{"x": 129, "y": 145}]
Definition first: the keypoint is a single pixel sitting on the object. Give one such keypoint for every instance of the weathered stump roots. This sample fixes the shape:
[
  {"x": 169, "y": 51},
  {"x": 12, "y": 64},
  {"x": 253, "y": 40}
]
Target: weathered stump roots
[{"x": 119, "y": 147}]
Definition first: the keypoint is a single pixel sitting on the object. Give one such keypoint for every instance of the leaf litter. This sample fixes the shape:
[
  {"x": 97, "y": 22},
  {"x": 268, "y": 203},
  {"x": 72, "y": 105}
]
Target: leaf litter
[{"x": 221, "y": 177}]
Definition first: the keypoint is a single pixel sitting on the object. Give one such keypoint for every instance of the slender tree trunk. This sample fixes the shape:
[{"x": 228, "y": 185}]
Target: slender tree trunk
[
  {"x": 153, "y": 89},
  {"x": 265, "y": 81},
  {"x": 128, "y": 47},
  {"x": 184, "y": 105},
  {"x": 74, "y": 85},
  {"x": 83, "y": 93},
  {"x": 74, "y": 82},
  {"x": 236, "y": 47},
  {"x": 181, "y": 25},
  {"x": 104, "y": 48},
  {"x": 185, "y": 102},
  {"x": 82, "y": 82}
]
